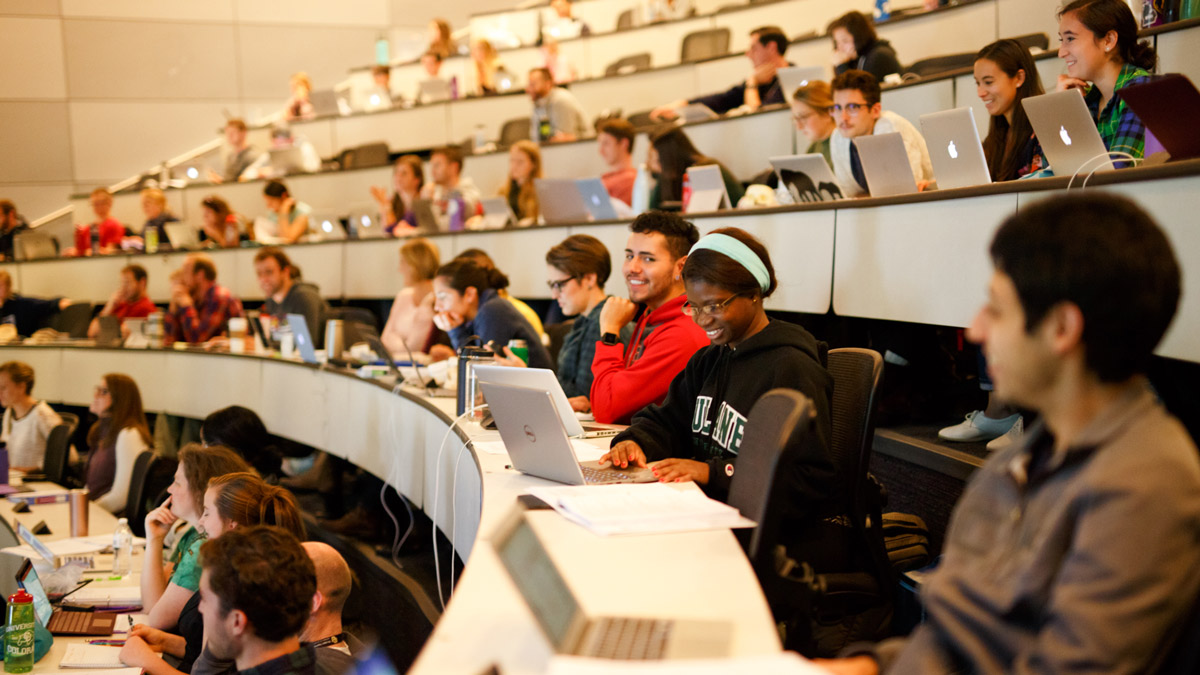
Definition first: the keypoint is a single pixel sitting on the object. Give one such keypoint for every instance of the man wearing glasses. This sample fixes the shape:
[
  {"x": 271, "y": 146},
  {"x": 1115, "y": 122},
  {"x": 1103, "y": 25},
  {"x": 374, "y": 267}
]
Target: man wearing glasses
[{"x": 858, "y": 112}]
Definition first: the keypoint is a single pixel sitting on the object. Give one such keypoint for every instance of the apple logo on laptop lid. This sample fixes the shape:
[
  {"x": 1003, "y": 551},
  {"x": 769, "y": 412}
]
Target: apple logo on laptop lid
[
  {"x": 952, "y": 151},
  {"x": 1066, "y": 138}
]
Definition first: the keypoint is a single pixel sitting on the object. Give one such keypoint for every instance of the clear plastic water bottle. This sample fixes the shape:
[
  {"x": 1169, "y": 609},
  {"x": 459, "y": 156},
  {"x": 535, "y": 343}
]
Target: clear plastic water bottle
[
  {"x": 18, "y": 633},
  {"x": 122, "y": 548},
  {"x": 641, "y": 191}
]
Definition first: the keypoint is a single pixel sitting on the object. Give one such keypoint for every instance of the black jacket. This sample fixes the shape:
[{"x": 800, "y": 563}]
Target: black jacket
[
  {"x": 877, "y": 58},
  {"x": 704, "y": 416}
]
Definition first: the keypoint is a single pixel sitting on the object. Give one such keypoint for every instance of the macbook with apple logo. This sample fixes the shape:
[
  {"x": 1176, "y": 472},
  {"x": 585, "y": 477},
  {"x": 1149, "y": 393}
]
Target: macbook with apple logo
[
  {"x": 954, "y": 149},
  {"x": 1067, "y": 133}
]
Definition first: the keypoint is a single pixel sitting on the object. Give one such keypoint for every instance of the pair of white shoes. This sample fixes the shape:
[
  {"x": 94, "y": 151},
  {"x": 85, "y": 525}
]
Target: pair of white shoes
[{"x": 1000, "y": 433}]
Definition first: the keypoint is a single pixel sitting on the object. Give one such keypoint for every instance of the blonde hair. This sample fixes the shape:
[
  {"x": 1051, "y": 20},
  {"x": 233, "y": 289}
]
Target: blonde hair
[
  {"x": 527, "y": 196},
  {"x": 155, "y": 195},
  {"x": 301, "y": 77},
  {"x": 422, "y": 256},
  {"x": 816, "y": 95}
]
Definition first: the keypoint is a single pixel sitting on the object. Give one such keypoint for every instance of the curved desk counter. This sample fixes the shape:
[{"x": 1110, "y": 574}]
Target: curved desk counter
[{"x": 399, "y": 437}]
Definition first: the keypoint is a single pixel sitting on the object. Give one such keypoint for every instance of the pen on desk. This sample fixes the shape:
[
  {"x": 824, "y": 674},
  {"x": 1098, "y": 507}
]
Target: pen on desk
[
  {"x": 107, "y": 643},
  {"x": 81, "y": 585}
]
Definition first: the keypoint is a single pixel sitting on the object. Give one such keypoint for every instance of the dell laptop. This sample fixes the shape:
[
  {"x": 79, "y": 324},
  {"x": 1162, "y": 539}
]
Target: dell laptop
[
  {"x": 545, "y": 379},
  {"x": 1067, "y": 133},
  {"x": 954, "y": 149}
]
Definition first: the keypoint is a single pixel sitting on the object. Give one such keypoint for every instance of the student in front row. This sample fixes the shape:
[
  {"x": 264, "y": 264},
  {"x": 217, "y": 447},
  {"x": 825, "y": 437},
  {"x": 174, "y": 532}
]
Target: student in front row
[
  {"x": 694, "y": 435},
  {"x": 27, "y": 421},
  {"x": 1100, "y": 46},
  {"x": 858, "y": 112},
  {"x": 115, "y": 441},
  {"x": 1073, "y": 550},
  {"x": 628, "y": 378}
]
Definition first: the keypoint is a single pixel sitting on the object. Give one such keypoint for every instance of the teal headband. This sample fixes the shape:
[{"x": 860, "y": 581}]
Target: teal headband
[{"x": 739, "y": 252}]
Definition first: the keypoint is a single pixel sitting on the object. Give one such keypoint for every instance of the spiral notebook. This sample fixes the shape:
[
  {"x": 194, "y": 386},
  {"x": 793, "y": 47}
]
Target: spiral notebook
[{"x": 96, "y": 656}]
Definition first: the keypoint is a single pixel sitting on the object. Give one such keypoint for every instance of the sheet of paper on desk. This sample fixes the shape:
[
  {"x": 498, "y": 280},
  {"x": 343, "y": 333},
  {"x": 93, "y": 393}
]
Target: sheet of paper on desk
[
  {"x": 125, "y": 622},
  {"x": 58, "y": 547},
  {"x": 80, "y": 655},
  {"x": 783, "y": 663},
  {"x": 645, "y": 508}
]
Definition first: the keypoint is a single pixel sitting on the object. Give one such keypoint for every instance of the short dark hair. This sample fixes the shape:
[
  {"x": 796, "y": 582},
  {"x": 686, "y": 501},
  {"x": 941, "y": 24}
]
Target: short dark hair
[
  {"x": 858, "y": 25},
  {"x": 380, "y": 69},
  {"x": 463, "y": 273},
  {"x": 264, "y": 572},
  {"x": 771, "y": 35},
  {"x": 136, "y": 271},
  {"x": 619, "y": 129},
  {"x": 860, "y": 80},
  {"x": 275, "y": 188},
  {"x": 1104, "y": 254},
  {"x": 451, "y": 153},
  {"x": 277, "y": 254},
  {"x": 20, "y": 373},
  {"x": 242, "y": 430},
  {"x": 681, "y": 235},
  {"x": 580, "y": 255},
  {"x": 7, "y": 207},
  {"x": 204, "y": 265},
  {"x": 544, "y": 72},
  {"x": 435, "y": 54},
  {"x": 722, "y": 271}
]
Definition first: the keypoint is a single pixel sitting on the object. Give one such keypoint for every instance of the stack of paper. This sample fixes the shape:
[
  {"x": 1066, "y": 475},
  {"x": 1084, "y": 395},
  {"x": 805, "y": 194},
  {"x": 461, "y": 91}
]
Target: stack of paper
[
  {"x": 107, "y": 596},
  {"x": 80, "y": 655},
  {"x": 645, "y": 508}
]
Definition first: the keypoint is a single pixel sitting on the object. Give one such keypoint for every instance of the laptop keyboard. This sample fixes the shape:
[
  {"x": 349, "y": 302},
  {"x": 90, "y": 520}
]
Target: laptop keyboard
[
  {"x": 70, "y": 622},
  {"x": 626, "y": 638},
  {"x": 592, "y": 475}
]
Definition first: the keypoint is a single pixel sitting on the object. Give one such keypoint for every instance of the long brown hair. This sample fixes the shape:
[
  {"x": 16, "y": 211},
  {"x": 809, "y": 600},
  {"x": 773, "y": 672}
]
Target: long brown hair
[
  {"x": 1004, "y": 142},
  {"x": 526, "y": 195},
  {"x": 126, "y": 412},
  {"x": 203, "y": 463},
  {"x": 675, "y": 154},
  {"x": 246, "y": 499}
]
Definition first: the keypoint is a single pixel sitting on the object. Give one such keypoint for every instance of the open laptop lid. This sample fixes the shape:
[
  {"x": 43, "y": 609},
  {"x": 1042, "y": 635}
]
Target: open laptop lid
[
  {"x": 28, "y": 579},
  {"x": 182, "y": 236},
  {"x": 807, "y": 178},
  {"x": 535, "y": 378},
  {"x": 303, "y": 337},
  {"x": 328, "y": 226},
  {"x": 533, "y": 434},
  {"x": 496, "y": 213},
  {"x": 791, "y": 79},
  {"x": 885, "y": 164},
  {"x": 708, "y": 189},
  {"x": 1067, "y": 133},
  {"x": 954, "y": 149},
  {"x": 1168, "y": 106},
  {"x": 596, "y": 199},
  {"x": 37, "y": 545},
  {"x": 560, "y": 201},
  {"x": 539, "y": 582}
]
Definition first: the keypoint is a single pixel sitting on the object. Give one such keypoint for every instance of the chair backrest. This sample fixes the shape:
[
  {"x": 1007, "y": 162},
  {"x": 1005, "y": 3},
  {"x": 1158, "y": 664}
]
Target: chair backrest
[
  {"x": 358, "y": 322},
  {"x": 513, "y": 130},
  {"x": 73, "y": 320},
  {"x": 58, "y": 449},
  {"x": 704, "y": 44},
  {"x": 1032, "y": 40},
  {"x": 366, "y": 156},
  {"x": 776, "y": 422},
  {"x": 642, "y": 121},
  {"x": 70, "y": 419},
  {"x": 941, "y": 64},
  {"x": 152, "y": 473},
  {"x": 629, "y": 64},
  {"x": 625, "y": 20}
]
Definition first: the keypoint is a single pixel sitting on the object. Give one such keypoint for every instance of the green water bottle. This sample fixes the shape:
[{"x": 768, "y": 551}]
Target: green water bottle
[
  {"x": 151, "y": 239},
  {"x": 1189, "y": 9},
  {"x": 18, "y": 633}
]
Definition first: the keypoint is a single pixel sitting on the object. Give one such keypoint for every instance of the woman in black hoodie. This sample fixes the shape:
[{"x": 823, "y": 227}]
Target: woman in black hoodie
[
  {"x": 696, "y": 432},
  {"x": 856, "y": 46}
]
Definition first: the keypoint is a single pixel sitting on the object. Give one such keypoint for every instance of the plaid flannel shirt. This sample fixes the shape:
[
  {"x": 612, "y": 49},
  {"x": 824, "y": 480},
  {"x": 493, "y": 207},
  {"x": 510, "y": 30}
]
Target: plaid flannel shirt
[
  {"x": 204, "y": 320},
  {"x": 1119, "y": 127}
]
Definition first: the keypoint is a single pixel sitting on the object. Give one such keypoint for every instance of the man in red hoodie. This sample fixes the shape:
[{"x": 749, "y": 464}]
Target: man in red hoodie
[{"x": 626, "y": 379}]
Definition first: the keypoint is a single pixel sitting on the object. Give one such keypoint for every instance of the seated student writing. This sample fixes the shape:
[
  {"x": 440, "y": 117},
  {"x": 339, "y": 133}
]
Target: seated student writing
[
  {"x": 1005, "y": 75},
  {"x": 467, "y": 304},
  {"x": 1100, "y": 46},
  {"x": 696, "y": 432},
  {"x": 858, "y": 111}
]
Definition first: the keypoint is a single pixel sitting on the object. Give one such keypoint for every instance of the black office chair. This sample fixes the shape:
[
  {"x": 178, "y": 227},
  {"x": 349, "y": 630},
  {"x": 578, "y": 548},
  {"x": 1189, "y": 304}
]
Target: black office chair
[
  {"x": 642, "y": 121},
  {"x": 704, "y": 44},
  {"x": 151, "y": 476},
  {"x": 629, "y": 64},
  {"x": 935, "y": 65},
  {"x": 70, "y": 419},
  {"x": 557, "y": 332},
  {"x": 73, "y": 320},
  {"x": 56, "y": 462},
  {"x": 1034, "y": 40},
  {"x": 625, "y": 20},
  {"x": 365, "y": 156},
  {"x": 513, "y": 130}
]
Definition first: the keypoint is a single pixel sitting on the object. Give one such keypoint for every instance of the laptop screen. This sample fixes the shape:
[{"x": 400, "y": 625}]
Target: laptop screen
[
  {"x": 41, "y": 602},
  {"x": 539, "y": 582}
]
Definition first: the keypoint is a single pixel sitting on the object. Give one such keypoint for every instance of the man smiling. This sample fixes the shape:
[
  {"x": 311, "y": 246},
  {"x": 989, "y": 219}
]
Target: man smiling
[{"x": 628, "y": 379}]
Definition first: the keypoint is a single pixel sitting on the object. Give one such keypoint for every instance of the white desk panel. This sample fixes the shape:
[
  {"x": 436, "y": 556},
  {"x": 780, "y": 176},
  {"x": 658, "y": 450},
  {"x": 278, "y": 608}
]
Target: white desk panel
[
  {"x": 743, "y": 144},
  {"x": 338, "y": 191},
  {"x": 491, "y": 112},
  {"x": 83, "y": 280},
  {"x": 639, "y": 92},
  {"x": 663, "y": 42},
  {"x": 295, "y": 403},
  {"x": 195, "y": 383},
  {"x": 921, "y": 263},
  {"x": 1177, "y": 52},
  {"x": 81, "y": 371},
  {"x": 912, "y": 102},
  {"x": 962, "y": 29},
  {"x": 414, "y": 129},
  {"x": 370, "y": 268}
]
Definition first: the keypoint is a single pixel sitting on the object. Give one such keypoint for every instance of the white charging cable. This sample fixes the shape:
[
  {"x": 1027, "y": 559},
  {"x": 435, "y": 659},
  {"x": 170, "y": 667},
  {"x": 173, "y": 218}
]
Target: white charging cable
[
  {"x": 437, "y": 569},
  {"x": 1107, "y": 155}
]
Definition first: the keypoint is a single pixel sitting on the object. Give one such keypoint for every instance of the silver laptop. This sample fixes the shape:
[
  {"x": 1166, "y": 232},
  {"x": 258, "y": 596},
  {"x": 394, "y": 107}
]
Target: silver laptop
[
  {"x": 183, "y": 237},
  {"x": 708, "y": 189},
  {"x": 497, "y": 213},
  {"x": 538, "y": 444},
  {"x": 560, "y": 201},
  {"x": 325, "y": 102},
  {"x": 807, "y": 178},
  {"x": 327, "y": 227},
  {"x": 696, "y": 112},
  {"x": 433, "y": 90},
  {"x": 885, "y": 164},
  {"x": 1067, "y": 133},
  {"x": 596, "y": 199},
  {"x": 571, "y": 631},
  {"x": 377, "y": 98},
  {"x": 302, "y": 337},
  {"x": 427, "y": 221},
  {"x": 366, "y": 225},
  {"x": 954, "y": 148},
  {"x": 791, "y": 79},
  {"x": 545, "y": 379},
  {"x": 34, "y": 245},
  {"x": 285, "y": 161}
]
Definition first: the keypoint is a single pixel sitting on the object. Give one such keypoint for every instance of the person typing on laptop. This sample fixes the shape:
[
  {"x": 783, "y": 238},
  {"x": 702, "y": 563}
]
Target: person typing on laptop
[
  {"x": 129, "y": 301},
  {"x": 1005, "y": 74},
  {"x": 858, "y": 112},
  {"x": 628, "y": 378}
]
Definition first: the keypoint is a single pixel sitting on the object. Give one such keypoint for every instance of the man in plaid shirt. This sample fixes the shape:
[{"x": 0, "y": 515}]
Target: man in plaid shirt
[{"x": 199, "y": 307}]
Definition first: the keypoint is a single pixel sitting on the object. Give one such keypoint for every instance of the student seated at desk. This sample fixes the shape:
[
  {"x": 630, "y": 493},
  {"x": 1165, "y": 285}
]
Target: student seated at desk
[
  {"x": 856, "y": 46},
  {"x": 455, "y": 197},
  {"x": 11, "y": 224},
  {"x": 299, "y": 107},
  {"x": 481, "y": 258},
  {"x": 220, "y": 223},
  {"x": 233, "y": 503},
  {"x": 27, "y": 421},
  {"x": 858, "y": 112},
  {"x": 628, "y": 378},
  {"x": 380, "y": 96},
  {"x": 168, "y": 583},
  {"x": 283, "y": 138},
  {"x": 129, "y": 301},
  {"x": 409, "y": 324},
  {"x": 485, "y": 62},
  {"x": 564, "y": 26},
  {"x": 26, "y": 314},
  {"x": 524, "y": 166},
  {"x": 408, "y": 178},
  {"x": 104, "y": 235},
  {"x": 241, "y": 430},
  {"x": 767, "y": 47},
  {"x": 467, "y": 303},
  {"x": 286, "y": 221},
  {"x": 285, "y": 294},
  {"x": 614, "y": 142},
  {"x": 811, "y": 106},
  {"x": 200, "y": 308},
  {"x": 239, "y": 154},
  {"x": 1005, "y": 74},
  {"x": 1100, "y": 46},
  {"x": 671, "y": 154},
  {"x": 557, "y": 115},
  {"x": 115, "y": 441},
  {"x": 431, "y": 63},
  {"x": 154, "y": 206}
]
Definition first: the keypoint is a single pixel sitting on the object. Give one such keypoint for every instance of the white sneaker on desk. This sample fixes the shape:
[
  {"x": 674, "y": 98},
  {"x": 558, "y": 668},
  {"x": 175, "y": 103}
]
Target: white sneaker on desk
[
  {"x": 978, "y": 427},
  {"x": 1011, "y": 436}
]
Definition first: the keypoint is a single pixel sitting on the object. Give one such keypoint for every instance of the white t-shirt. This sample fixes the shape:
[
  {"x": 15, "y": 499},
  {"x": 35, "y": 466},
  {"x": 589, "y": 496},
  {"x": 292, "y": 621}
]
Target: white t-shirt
[{"x": 26, "y": 437}]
